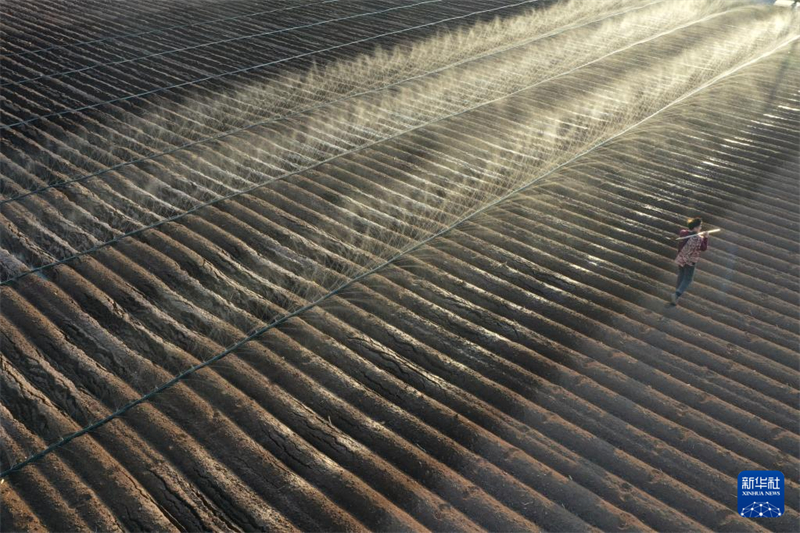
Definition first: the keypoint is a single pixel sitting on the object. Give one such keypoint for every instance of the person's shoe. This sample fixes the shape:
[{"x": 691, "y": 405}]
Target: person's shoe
[{"x": 674, "y": 299}]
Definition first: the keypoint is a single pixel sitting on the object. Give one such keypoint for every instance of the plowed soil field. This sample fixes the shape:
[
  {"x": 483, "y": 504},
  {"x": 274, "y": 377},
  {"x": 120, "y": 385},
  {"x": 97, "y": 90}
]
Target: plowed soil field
[{"x": 346, "y": 265}]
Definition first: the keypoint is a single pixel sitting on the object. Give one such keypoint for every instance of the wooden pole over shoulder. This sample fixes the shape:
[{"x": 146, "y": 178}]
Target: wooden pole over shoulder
[{"x": 696, "y": 234}]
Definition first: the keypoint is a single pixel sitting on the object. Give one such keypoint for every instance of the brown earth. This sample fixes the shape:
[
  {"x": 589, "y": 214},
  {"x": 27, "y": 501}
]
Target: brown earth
[{"x": 520, "y": 372}]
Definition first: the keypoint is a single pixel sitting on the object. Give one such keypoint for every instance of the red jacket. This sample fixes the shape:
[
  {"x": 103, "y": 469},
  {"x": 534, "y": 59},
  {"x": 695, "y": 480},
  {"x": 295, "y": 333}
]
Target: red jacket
[
  {"x": 690, "y": 256},
  {"x": 686, "y": 233}
]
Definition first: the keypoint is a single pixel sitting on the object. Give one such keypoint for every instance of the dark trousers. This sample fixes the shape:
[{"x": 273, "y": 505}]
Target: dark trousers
[{"x": 685, "y": 276}]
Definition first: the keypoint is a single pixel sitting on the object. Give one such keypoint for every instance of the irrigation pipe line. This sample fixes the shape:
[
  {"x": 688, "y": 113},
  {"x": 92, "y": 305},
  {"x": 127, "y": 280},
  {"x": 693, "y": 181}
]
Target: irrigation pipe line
[
  {"x": 253, "y": 67},
  {"x": 76, "y": 179},
  {"x": 196, "y": 208},
  {"x": 186, "y": 373},
  {"x": 701, "y": 234},
  {"x": 166, "y": 28},
  {"x": 220, "y": 41}
]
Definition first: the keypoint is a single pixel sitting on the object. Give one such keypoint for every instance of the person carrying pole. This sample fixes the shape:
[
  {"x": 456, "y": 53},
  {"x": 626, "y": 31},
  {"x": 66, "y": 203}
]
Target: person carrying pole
[{"x": 691, "y": 242}]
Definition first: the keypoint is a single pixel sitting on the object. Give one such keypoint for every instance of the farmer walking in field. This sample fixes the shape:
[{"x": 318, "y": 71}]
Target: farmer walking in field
[{"x": 691, "y": 242}]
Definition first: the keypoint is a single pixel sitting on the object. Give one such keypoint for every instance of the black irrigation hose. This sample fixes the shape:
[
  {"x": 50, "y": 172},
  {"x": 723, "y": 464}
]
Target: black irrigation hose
[
  {"x": 188, "y": 212},
  {"x": 186, "y": 373},
  {"x": 253, "y": 67},
  {"x": 166, "y": 28},
  {"x": 220, "y": 41},
  {"x": 78, "y": 179}
]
